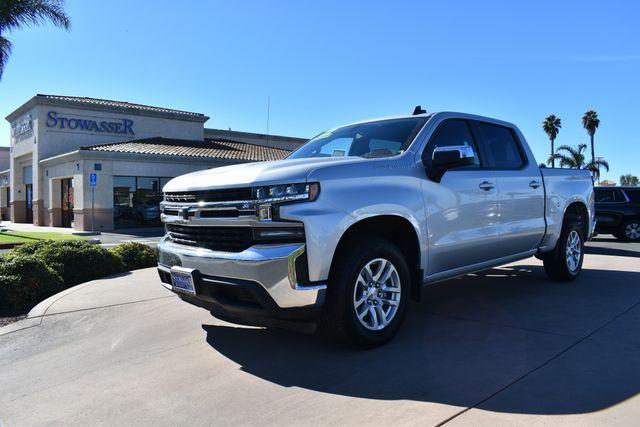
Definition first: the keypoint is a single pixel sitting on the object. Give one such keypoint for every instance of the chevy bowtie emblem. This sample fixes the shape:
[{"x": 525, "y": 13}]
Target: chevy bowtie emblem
[{"x": 184, "y": 213}]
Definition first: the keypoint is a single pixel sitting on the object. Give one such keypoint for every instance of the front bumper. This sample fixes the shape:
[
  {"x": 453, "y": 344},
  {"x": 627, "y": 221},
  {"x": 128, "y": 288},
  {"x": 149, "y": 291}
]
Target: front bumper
[{"x": 262, "y": 281}]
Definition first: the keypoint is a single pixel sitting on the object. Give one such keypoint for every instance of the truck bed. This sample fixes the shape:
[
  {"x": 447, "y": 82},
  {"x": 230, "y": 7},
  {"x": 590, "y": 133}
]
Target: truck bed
[{"x": 558, "y": 183}]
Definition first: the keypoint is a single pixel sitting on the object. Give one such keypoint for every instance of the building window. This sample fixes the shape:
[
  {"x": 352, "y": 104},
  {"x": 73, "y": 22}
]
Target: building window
[
  {"x": 136, "y": 201},
  {"x": 27, "y": 175}
]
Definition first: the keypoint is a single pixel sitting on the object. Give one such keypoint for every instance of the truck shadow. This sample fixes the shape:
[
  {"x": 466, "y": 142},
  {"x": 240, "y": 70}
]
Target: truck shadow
[
  {"x": 471, "y": 337},
  {"x": 611, "y": 251}
]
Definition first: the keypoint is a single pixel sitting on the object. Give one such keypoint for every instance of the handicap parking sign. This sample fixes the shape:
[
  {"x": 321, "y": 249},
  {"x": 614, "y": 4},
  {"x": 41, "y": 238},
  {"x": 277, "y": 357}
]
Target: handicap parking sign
[{"x": 93, "y": 180}]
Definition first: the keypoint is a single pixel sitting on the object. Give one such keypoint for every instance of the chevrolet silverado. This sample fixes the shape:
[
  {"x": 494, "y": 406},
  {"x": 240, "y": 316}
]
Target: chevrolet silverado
[{"x": 348, "y": 228}]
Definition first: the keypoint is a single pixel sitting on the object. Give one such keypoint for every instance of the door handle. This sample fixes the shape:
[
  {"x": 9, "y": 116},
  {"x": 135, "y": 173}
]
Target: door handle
[
  {"x": 534, "y": 184},
  {"x": 486, "y": 186}
]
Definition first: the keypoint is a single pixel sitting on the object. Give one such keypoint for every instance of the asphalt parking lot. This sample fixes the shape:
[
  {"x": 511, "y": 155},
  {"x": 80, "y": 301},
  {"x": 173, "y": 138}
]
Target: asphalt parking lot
[{"x": 505, "y": 346}]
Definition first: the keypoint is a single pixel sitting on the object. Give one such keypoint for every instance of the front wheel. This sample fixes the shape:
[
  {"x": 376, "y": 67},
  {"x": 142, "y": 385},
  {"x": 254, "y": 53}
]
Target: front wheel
[
  {"x": 368, "y": 293},
  {"x": 564, "y": 263}
]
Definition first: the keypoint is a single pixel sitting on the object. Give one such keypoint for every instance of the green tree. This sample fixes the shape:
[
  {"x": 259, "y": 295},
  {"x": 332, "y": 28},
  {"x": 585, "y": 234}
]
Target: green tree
[
  {"x": 590, "y": 121},
  {"x": 551, "y": 126},
  {"x": 573, "y": 158},
  {"x": 629, "y": 180},
  {"x": 16, "y": 14}
]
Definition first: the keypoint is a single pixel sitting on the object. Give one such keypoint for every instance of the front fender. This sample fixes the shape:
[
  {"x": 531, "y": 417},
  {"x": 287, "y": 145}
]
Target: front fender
[{"x": 348, "y": 196}]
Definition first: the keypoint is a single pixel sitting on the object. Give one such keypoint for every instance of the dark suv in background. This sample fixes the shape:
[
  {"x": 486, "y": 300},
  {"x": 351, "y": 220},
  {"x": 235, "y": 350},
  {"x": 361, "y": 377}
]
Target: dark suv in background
[{"x": 618, "y": 212}]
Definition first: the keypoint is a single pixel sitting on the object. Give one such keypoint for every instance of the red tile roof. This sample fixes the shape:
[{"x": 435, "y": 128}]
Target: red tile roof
[
  {"x": 215, "y": 149},
  {"x": 121, "y": 104}
]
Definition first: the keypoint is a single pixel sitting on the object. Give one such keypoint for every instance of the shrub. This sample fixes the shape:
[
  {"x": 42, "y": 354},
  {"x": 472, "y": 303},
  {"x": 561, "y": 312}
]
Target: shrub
[
  {"x": 28, "y": 248},
  {"x": 135, "y": 255},
  {"x": 26, "y": 280},
  {"x": 76, "y": 261}
]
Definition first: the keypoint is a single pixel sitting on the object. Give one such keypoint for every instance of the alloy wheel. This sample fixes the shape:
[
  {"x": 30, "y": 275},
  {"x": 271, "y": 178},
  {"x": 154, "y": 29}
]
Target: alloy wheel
[
  {"x": 377, "y": 293},
  {"x": 574, "y": 250},
  {"x": 632, "y": 231}
]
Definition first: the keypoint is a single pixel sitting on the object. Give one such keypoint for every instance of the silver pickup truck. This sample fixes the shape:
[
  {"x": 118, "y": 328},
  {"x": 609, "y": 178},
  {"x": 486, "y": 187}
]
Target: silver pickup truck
[{"x": 350, "y": 227}]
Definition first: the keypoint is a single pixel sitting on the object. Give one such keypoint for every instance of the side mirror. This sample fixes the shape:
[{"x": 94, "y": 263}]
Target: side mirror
[{"x": 445, "y": 158}]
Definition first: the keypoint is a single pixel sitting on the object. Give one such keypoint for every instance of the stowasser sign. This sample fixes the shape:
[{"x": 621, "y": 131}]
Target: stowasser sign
[
  {"x": 123, "y": 126},
  {"x": 21, "y": 125}
]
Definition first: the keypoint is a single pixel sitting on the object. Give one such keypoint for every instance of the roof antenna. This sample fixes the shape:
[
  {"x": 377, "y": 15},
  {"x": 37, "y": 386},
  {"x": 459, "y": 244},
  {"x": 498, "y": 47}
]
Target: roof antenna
[{"x": 418, "y": 110}]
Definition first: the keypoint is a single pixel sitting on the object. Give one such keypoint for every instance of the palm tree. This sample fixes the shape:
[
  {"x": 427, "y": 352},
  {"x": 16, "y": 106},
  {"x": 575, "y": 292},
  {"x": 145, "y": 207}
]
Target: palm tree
[
  {"x": 573, "y": 158},
  {"x": 595, "y": 166},
  {"x": 629, "y": 180},
  {"x": 16, "y": 14},
  {"x": 551, "y": 126},
  {"x": 570, "y": 157},
  {"x": 590, "y": 121}
]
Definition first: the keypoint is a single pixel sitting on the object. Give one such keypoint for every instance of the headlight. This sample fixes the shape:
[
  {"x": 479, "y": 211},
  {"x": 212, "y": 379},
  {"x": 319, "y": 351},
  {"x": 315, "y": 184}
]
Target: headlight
[
  {"x": 288, "y": 193},
  {"x": 269, "y": 197}
]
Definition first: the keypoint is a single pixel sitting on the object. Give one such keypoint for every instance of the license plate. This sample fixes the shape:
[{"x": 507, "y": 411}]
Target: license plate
[{"x": 182, "y": 280}]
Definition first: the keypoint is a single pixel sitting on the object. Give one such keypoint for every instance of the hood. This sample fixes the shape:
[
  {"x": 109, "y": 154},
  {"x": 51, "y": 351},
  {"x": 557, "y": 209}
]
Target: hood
[{"x": 285, "y": 171}]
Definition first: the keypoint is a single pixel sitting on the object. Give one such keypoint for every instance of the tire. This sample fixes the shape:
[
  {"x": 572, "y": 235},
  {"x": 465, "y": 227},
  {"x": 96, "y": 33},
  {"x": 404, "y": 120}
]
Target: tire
[
  {"x": 346, "y": 317},
  {"x": 630, "y": 231},
  {"x": 563, "y": 264}
]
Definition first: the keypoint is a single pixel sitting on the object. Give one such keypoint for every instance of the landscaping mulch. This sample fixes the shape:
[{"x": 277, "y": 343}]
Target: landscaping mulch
[{"x": 5, "y": 320}]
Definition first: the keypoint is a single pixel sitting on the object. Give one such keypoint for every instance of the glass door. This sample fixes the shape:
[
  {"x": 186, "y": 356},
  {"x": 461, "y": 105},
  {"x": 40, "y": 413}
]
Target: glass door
[
  {"x": 29, "y": 203},
  {"x": 67, "y": 201},
  {"x": 124, "y": 213}
]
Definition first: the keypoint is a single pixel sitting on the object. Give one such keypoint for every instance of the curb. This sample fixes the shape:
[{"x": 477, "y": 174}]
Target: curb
[
  {"x": 10, "y": 245},
  {"x": 41, "y": 308},
  {"x": 35, "y": 315}
]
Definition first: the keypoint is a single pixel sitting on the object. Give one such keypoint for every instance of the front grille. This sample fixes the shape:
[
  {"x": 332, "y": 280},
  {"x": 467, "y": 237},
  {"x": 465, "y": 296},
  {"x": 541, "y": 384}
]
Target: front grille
[
  {"x": 223, "y": 195},
  {"x": 226, "y": 239},
  {"x": 175, "y": 212},
  {"x": 214, "y": 213},
  {"x": 227, "y": 213}
]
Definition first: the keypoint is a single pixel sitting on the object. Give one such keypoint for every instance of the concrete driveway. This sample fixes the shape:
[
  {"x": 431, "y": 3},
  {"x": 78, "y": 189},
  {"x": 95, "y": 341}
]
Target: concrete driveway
[{"x": 506, "y": 346}]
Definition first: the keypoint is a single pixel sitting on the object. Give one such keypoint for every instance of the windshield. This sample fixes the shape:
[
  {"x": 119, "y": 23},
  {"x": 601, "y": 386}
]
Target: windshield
[{"x": 384, "y": 138}]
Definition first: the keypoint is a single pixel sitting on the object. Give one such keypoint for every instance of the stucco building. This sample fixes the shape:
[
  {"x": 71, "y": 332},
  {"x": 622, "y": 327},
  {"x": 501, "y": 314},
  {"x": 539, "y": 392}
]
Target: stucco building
[{"x": 58, "y": 142}]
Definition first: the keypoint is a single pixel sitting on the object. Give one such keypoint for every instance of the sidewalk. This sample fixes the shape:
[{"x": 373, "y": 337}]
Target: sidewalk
[
  {"x": 28, "y": 228},
  {"x": 501, "y": 347}
]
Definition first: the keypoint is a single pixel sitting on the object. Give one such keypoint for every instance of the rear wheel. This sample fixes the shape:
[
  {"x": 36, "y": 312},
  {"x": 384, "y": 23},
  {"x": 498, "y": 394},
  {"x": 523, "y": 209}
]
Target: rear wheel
[
  {"x": 368, "y": 293},
  {"x": 630, "y": 231},
  {"x": 564, "y": 263}
]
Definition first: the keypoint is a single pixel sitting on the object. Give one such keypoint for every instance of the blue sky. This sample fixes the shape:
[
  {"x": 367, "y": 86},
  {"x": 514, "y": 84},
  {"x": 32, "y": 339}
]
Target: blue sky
[{"x": 326, "y": 63}]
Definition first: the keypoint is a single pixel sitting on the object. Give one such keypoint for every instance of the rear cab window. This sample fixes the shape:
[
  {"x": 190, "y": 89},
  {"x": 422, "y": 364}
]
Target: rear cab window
[{"x": 502, "y": 149}]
